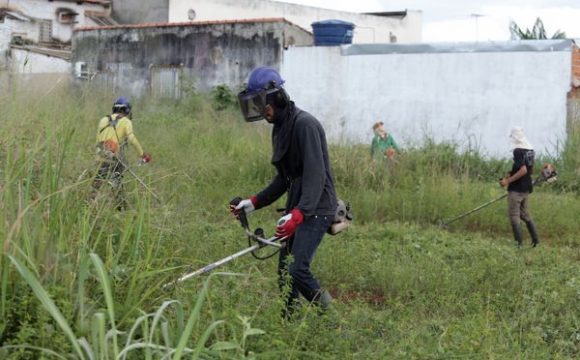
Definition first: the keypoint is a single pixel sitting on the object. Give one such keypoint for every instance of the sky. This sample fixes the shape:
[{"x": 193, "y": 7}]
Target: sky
[{"x": 470, "y": 20}]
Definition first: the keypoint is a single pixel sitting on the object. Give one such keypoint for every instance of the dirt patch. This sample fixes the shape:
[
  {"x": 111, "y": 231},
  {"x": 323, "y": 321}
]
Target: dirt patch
[{"x": 374, "y": 298}]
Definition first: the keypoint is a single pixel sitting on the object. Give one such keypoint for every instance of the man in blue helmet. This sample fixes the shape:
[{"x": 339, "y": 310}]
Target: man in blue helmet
[
  {"x": 114, "y": 132},
  {"x": 300, "y": 156}
]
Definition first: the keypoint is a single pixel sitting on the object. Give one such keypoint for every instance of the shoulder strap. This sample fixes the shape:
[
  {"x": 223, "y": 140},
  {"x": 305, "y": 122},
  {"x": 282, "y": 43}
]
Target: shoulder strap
[
  {"x": 529, "y": 158},
  {"x": 112, "y": 123}
]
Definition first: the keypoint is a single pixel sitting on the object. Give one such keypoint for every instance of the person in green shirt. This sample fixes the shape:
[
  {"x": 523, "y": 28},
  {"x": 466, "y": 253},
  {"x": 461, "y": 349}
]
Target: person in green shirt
[{"x": 383, "y": 145}]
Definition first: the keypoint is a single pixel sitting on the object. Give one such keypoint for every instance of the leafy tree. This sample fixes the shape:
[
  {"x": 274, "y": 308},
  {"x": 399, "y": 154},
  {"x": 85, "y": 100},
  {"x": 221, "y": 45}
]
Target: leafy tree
[{"x": 538, "y": 32}]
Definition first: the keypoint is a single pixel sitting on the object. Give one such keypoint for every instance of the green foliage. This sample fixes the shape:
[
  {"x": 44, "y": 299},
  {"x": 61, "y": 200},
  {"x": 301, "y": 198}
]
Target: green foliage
[
  {"x": 538, "y": 32},
  {"x": 79, "y": 274},
  {"x": 223, "y": 97}
]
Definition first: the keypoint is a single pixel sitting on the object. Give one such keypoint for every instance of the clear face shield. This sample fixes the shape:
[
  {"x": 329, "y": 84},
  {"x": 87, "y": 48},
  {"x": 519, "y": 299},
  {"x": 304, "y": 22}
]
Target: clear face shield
[
  {"x": 253, "y": 104},
  {"x": 122, "y": 109}
]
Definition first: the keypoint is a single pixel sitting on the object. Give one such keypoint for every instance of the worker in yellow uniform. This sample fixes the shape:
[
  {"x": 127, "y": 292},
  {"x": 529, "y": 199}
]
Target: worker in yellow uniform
[{"x": 115, "y": 131}]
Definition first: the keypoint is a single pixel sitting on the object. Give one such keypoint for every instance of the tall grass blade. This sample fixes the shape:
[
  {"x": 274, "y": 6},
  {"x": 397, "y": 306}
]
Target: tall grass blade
[
  {"x": 203, "y": 339},
  {"x": 194, "y": 316},
  {"x": 146, "y": 345},
  {"x": 31, "y": 347},
  {"x": 98, "y": 335},
  {"x": 88, "y": 349},
  {"x": 106, "y": 285},
  {"x": 138, "y": 322},
  {"x": 48, "y": 304},
  {"x": 158, "y": 316}
]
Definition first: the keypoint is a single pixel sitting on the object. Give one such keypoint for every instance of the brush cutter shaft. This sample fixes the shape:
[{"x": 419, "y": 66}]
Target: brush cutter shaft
[
  {"x": 548, "y": 174},
  {"x": 227, "y": 259},
  {"x": 212, "y": 266},
  {"x": 264, "y": 241},
  {"x": 139, "y": 180},
  {"x": 257, "y": 236},
  {"x": 474, "y": 210}
]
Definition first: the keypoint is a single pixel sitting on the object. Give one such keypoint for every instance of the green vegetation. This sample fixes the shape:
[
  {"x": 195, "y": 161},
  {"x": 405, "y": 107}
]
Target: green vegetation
[
  {"x": 83, "y": 281},
  {"x": 538, "y": 32}
]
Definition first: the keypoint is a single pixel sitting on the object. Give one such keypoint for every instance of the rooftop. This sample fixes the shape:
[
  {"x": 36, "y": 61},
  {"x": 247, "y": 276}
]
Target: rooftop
[
  {"x": 61, "y": 54},
  {"x": 187, "y": 24},
  {"x": 462, "y": 47},
  {"x": 397, "y": 14},
  {"x": 98, "y": 2}
]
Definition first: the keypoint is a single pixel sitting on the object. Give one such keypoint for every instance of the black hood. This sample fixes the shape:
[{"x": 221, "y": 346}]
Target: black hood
[{"x": 282, "y": 132}]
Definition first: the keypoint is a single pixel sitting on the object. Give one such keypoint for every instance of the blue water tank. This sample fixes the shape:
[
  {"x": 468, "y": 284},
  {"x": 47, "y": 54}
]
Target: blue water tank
[{"x": 332, "y": 32}]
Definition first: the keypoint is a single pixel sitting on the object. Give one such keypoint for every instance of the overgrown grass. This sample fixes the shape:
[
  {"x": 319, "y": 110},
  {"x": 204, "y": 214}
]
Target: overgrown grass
[{"x": 404, "y": 287}]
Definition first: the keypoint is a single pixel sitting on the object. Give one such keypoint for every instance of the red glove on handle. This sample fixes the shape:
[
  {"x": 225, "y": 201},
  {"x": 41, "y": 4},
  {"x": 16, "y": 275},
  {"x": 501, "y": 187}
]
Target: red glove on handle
[
  {"x": 146, "y": 158},
  {"x": 287, "y": 224}
]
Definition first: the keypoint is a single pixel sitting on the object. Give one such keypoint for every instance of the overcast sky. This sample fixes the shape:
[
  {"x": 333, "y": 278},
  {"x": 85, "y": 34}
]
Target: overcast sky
[{"x": 454, "y": 20}]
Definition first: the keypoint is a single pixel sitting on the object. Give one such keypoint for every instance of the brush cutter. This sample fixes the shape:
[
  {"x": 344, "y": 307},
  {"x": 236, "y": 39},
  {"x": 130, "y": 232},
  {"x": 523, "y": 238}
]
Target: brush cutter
[
  {"x": 139, "y": 179},
  {"x": 548, "y": 174},
  {"x": 257, "y": 237}
]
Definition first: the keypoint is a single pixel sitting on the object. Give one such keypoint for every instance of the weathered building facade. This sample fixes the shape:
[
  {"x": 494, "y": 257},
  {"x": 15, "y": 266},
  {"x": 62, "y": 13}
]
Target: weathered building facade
[
  {"x": 160, "y": 59},
  {"x": 376, "y": 27},
  {"x": 140, "y": 11},
  {"x": 48, "y": 22},
  {"x": 35, "y": 35},
  {"x": 372, "y": 27}
]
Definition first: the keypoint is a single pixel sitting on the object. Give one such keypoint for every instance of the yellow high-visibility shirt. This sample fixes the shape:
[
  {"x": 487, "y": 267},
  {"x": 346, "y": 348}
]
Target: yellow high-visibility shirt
[{"x": 115, "y": 132}]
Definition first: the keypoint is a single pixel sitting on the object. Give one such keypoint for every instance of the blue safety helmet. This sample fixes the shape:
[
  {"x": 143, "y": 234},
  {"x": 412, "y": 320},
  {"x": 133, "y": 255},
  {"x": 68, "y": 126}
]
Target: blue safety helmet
[
  {"x": 265, "y": 85},
  {"x": 122, "y": 105},
  {"x": 262, "y": 78}
]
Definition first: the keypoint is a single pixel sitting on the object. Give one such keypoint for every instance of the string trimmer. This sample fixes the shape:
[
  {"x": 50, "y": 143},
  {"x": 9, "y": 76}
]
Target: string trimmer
[
  {"x": 548, "y": 174},
  {"x": 256, "y": 236}
]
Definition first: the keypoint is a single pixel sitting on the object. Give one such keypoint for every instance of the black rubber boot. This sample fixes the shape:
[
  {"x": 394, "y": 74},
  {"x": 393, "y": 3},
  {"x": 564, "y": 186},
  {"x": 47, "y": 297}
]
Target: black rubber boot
[
  {"x": 533, "y": 233},
  {"x": 517, "y": 229},
  {"x": 323, "y": 299}
]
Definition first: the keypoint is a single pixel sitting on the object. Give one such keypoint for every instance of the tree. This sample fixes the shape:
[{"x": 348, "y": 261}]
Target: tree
[{"x": 538, "y": 32}]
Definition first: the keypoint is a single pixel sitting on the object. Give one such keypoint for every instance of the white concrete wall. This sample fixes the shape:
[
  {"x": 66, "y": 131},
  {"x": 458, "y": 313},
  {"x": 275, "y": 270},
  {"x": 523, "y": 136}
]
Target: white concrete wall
[
  {"x": 26, "y": 62},
  {"x": 43, "y": 9},
  {"x": 370, "y": 28},
  {"x": 470, "y": 98},
  {"x": 26, "y": 29},
  {"x": 4, "y": 44}
]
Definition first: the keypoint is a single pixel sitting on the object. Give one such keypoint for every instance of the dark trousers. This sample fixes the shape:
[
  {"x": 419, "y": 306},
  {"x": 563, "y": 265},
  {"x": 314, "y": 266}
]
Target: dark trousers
[
  {"x": 111, "y": 172},
  {"x": 518, "y": 209},
  {"x": 302, "y": 246}
]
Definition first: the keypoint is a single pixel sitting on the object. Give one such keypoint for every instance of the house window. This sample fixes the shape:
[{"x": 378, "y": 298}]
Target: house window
[
  {"x": 66, "y": 16},
  {"x": 82, "y": 70},
  {"x": 45, "y": 31}
]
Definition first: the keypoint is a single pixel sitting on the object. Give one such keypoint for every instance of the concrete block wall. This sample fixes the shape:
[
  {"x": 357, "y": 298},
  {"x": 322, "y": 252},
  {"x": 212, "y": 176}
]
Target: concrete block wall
[
  {"x": 470, "y": 98},
  {"x": 209, "y": 54}
]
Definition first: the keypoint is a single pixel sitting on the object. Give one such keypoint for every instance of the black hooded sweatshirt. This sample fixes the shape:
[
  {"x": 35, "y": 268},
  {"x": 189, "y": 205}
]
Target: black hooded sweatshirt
[{"x": 301, "y": 159}]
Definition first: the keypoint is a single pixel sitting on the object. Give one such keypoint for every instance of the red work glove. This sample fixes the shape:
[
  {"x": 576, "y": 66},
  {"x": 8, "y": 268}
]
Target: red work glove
[
  {"x": 287, "y": 224},
  {"x": 249, "y": 205},
  {"x": 146, "y": 158}
]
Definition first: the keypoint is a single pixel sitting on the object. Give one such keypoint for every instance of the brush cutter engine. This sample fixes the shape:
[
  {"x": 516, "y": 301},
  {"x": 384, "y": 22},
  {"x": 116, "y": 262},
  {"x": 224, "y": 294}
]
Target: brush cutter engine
[
  {"x": 548, "y": 174},
  {"x": 342, "y": 218}
]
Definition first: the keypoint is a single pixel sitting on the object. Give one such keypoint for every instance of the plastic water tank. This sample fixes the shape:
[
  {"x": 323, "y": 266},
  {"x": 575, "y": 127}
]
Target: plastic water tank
[{"x": 332, "y": 32}]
